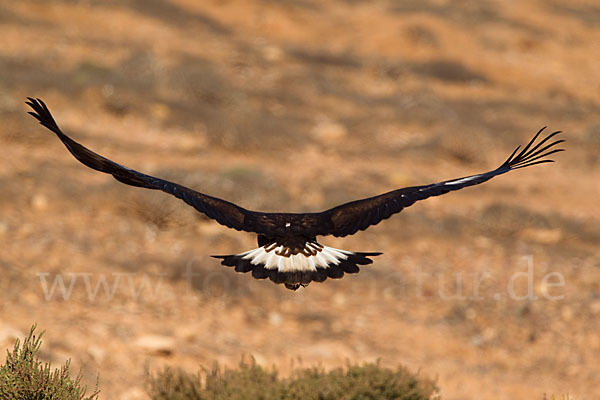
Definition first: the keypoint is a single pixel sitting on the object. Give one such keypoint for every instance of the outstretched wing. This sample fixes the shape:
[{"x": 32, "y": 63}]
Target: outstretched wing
[
  {"x": 348, "y": 218},
  {"x": 342, "y": 220},
  {"x": 222, "y": 211}
]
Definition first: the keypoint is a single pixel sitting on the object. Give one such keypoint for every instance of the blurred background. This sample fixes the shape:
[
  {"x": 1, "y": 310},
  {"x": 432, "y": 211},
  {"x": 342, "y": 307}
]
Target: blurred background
[{"x": 298, "y": 106}]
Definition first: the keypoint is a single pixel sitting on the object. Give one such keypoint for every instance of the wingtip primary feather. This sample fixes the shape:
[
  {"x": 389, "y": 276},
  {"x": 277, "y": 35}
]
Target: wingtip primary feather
[
  {"x": 533, "y": 152},
  {"x": 511, "y": 156},
  {"x": 43, "y": 114}
]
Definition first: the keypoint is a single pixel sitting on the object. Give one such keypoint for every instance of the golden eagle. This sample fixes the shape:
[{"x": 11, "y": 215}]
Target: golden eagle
[{"x": 288, "y": 250}]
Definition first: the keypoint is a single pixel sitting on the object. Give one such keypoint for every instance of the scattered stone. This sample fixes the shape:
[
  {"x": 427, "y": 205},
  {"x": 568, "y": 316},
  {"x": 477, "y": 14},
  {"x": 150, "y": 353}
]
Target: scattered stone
[
  {"x": 489, "y": 334},
  {"x": 339, "y": 299},
  {"x": 275, "y": 318},
  {"x": 39, "y": 202},
  {"x": 156, "y": 345},
  {"x": 135, "y": 393},
  {"x": 595, "y": 307},
  {"x": 470, "y": 313},
  {"x": 97, "y": 353},
  {"x": 3, "y": 227},
  {"x": 330, "y": 132},
  {"x": 8, "y": 335},
  {"x": 272, "y": 53},
  {"x": 566, "y": 313},
  {"x": 160, "y": 110},
  {"x": 543, "y": 236}
]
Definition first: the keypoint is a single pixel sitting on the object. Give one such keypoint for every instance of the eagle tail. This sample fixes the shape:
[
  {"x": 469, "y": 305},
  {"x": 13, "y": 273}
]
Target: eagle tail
[{"x": 297, "y": 267}]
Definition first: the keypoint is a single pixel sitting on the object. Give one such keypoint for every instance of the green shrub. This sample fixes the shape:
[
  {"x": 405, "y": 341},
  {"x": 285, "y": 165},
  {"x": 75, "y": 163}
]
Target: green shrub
[
  {"x": 250, "y": 381},
  {"x": 24, "y": 377}
]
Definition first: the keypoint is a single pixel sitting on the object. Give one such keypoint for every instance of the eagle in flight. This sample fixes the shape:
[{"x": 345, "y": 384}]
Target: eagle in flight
[{"x": 288, "y": 251}]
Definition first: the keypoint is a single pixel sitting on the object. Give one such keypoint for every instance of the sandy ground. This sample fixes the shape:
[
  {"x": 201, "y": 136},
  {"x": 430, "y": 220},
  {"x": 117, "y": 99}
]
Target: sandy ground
[{"x": 298, "y": 106}]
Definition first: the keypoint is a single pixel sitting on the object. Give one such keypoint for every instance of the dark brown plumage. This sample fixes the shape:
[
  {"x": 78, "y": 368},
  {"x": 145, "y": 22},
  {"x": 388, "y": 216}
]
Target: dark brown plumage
[{"x": 289, "y": 252}]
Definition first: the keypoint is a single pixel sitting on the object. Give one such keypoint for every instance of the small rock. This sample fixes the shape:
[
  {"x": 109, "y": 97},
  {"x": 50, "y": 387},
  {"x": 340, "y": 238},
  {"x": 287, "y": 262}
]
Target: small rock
[
  {"x": 108, "y": 90},
  {"x": 328, "y": 131},
  {"x": 39, "y": 202},
  {"x": 566, "y": 313},
  {"x": 272, "y": 53},
  {"x": 156, "y": 344},
  {"x": 3, "y": 227},
  {"x": 470, "y": 313},
  {"x": 477, "y": 340},
  {"x": 543, "y": 236},
  {"x": 322, "y": 350},
  {"x": 339, "y": 299},
  {"x": 97, "y": 353},
  {"x": 595, "y": 307},
  {"x": 489, "y": 334},
  {"x": 9, "y": 335},
  {"x": 135, "y": 393},
  {"x": 594, "y": 342},
  {"x": 399, "y": 179},
  {"x": 160, "y": 110},
  {"x": 275, "y": 318}
]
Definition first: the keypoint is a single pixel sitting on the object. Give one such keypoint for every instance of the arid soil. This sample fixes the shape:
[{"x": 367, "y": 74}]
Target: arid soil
[{"x": 298, "y": 106}]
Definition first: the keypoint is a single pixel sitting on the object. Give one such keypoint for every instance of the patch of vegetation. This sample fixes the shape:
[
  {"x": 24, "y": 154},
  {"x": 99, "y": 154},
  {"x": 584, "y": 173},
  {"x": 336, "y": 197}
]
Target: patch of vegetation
[
  {"x": 250, "y": 381},
  {"x": 24, "y": 377}
]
